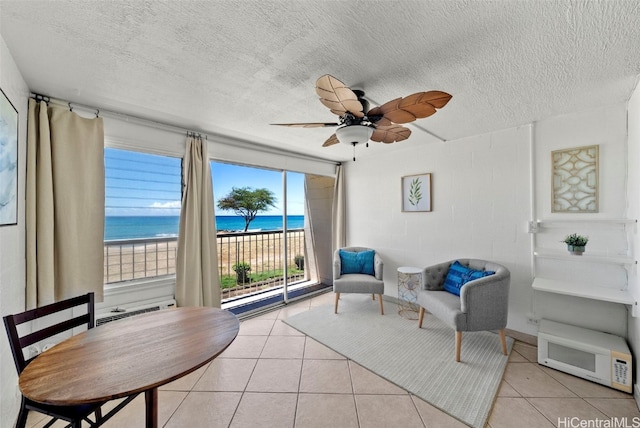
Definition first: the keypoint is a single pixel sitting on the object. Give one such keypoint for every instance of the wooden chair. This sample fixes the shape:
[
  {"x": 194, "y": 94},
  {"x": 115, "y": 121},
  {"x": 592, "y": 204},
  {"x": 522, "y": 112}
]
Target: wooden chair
[{"x": 72, "y": 414}]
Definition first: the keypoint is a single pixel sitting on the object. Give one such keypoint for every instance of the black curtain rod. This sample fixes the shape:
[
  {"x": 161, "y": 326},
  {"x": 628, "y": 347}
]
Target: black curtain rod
[
  {"x": 172, "y": 128},
  {"x": 196, "y": 135},
  {"x": 47, "y": 99},
  {"x": 39, "y": 97}
]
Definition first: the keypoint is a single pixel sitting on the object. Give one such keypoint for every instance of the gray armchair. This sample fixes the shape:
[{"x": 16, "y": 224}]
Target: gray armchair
[
  {"x": 483, "y": 303},
  {"x": 358, "y": 282}
]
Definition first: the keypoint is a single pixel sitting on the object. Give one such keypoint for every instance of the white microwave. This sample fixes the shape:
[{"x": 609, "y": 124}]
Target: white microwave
[{"x": 599, "y": 357}]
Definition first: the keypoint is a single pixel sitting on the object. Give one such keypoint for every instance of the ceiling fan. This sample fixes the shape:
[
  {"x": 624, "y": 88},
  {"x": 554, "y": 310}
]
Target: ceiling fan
[{"x": 357, "y": 123}]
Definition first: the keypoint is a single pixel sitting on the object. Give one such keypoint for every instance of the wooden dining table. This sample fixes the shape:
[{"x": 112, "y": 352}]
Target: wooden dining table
[{"x": 129, "y": 356}]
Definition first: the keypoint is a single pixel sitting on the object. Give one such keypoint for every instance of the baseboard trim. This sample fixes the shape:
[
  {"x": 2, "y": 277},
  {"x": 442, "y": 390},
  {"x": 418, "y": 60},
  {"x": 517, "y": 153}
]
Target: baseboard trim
[{"x": 523, "y": 337}]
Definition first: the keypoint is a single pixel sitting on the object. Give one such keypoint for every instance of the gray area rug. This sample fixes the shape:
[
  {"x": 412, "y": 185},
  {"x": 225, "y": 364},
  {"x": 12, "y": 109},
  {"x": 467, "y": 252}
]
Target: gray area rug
[{"x": 418, "y": 360}]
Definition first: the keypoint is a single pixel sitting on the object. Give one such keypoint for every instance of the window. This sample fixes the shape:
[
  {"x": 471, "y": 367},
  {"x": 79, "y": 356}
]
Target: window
[
  {"x": 142, "y": 207},
  {"x": 142, "y": 211}
]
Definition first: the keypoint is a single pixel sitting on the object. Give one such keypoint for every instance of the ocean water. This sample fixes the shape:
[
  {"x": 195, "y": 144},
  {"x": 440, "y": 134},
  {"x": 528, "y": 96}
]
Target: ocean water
[{"x": 130, "y": 227}]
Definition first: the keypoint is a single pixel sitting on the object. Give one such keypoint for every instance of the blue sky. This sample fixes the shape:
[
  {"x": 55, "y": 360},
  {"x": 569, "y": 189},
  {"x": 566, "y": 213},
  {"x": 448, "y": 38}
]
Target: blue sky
[
  {"x": 143, "y": 184},
  {"x": 226, "y": 176}
]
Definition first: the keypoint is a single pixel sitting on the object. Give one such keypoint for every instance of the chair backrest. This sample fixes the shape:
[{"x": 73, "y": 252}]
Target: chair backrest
[
  {"x": 20, "y": 343},
  {"x": 377, "y": 265},
  {"x": 433, "y": 277}
]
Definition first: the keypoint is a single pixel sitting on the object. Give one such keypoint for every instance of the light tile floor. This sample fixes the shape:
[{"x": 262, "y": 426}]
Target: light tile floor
[{"x": 273, "y": 376}]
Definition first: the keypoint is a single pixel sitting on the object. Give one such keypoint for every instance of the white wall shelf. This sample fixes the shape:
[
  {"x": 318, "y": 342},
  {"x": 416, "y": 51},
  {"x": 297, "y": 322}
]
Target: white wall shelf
[
  {"x": 585, "y": 258},
  {"x": 596, "y": 221},
  {"x": 602, "y": 226},
  {"x": 586, "y": 291}
]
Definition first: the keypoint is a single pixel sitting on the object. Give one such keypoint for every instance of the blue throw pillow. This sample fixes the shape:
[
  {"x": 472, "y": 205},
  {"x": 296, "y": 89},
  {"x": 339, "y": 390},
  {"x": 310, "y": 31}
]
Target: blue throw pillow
[
  {"x": 459, "y": 275},
  {"x": 357, "y": 262}
]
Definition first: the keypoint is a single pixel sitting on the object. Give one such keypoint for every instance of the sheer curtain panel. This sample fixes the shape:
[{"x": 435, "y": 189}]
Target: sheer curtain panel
[
  {"x": 65, "y": 205},
  {"x": 197, "y": 279}
]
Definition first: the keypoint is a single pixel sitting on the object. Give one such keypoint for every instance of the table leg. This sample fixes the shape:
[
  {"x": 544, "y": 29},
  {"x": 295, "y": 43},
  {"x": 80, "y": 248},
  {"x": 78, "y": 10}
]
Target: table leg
[{"x": 151, "y": 410}]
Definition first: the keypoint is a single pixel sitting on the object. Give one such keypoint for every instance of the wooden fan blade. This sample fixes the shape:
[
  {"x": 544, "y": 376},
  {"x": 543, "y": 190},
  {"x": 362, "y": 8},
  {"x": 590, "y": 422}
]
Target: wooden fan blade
[
  {"x": 438, "y": 99},
  {"x": 336, "y": 96},
  {"x": 306, "y": 125},
  {"x": 415, "y": 106},
  {"x": 390, "y": 134},
  {"x": 331, "y": 141},
  {"x": 391, "y": 110},
  {"x": 382, "y": 121}
]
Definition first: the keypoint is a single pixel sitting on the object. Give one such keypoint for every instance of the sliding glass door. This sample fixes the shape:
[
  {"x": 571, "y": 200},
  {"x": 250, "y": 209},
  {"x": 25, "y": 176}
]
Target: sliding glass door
[{"x": 260, "y": 233}]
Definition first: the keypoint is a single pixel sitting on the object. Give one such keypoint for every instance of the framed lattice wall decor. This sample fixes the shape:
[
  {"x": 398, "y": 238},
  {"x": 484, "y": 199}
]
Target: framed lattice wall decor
[{"x": 575, "y": 180}]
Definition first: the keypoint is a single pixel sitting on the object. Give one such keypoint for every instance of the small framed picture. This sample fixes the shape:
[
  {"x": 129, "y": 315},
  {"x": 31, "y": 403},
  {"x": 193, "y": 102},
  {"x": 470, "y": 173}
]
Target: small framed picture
[
  {"x": 8, "y": 162},
  {"x": 416, "y": 193}
]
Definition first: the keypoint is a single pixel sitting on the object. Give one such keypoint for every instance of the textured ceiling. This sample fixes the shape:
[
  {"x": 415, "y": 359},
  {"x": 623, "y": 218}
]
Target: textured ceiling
[{"x": 234, "y": 67}]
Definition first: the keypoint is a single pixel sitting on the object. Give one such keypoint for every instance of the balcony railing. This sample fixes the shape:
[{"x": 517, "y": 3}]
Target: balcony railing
[{"x": 261, "y": 252}]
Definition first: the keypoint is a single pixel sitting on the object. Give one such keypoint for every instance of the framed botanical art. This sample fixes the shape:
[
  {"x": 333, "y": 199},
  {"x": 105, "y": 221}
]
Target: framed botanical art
[
  {"x": 575, "y": 180},
  {"x": 416, "y": 193},
  {"x": 8, "y": 162}
]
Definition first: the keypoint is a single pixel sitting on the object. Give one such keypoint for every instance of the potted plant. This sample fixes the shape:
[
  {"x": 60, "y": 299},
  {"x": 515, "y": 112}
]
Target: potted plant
[
  {"x": 299, "y": 261},
  {"x": 576, "y": 243},
  {"x": 242, "y": 272}
]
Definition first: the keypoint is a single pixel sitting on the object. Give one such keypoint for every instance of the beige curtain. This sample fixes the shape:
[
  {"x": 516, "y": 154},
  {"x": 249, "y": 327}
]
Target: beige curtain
[
  {"x": 318, "y": 258},
  {"x": 197, "y": 279},
  {"x": 338, "y": 218},
  {"x": 64, "y": 206}
]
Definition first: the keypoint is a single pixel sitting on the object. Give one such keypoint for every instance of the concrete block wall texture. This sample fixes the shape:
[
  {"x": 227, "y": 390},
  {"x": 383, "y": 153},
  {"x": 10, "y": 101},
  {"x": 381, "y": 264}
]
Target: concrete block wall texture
[
  {"x": 485, "y": 190},
  {"x": 480, "y": 197}
]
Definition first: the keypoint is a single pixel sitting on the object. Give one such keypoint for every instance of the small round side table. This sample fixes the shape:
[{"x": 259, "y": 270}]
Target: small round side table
[{"x": 409, "y": 280}]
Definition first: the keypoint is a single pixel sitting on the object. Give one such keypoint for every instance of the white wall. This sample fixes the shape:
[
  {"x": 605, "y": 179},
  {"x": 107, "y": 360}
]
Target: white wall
[
  {"x": 633, "y": 192},
  {"x": 481, "y": 205},
  {"x": 606, "y": 127},
  {"x": 12, "y": 242},
  {"x": 485, "y": 190}
]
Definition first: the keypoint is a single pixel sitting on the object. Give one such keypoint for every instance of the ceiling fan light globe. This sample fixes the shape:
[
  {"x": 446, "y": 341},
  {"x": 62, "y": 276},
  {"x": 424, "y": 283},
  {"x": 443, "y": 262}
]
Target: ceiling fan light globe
[{"x": 354, "y": 134}]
